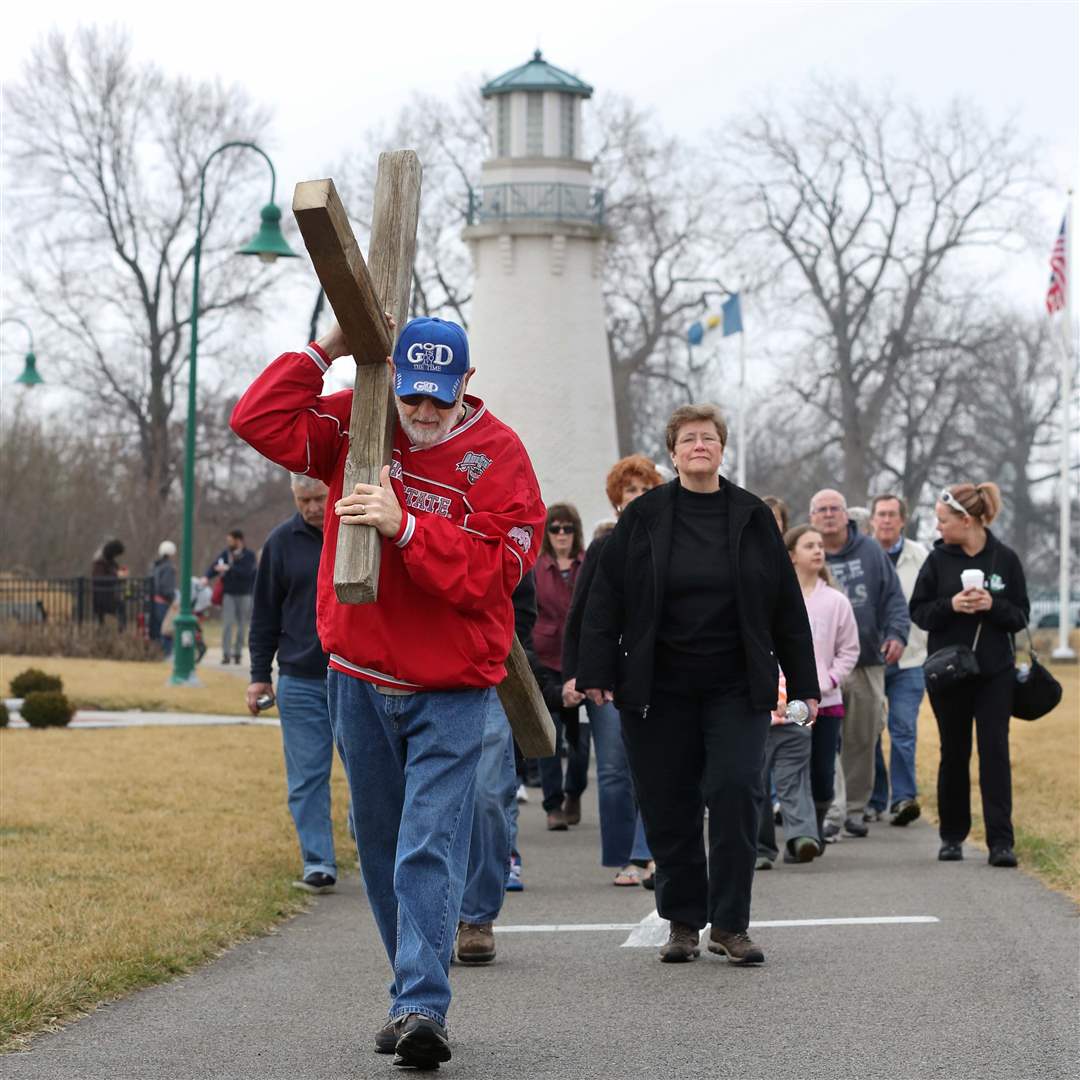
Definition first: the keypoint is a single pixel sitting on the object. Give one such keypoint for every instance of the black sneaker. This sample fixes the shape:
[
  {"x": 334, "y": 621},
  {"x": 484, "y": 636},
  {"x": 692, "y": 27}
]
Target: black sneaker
[
  {"x": 422, "y": 1044},
  {"x": 905, "y": 812},
  {"x": 224, "y": 659},
  {"x": 316, "y": 882},
  {"x": 1002, "y": 856},
  {"x": 855, "y": 828},
  {"x": 950, "y": 852},
  {"x": 387, "y": 1036}
]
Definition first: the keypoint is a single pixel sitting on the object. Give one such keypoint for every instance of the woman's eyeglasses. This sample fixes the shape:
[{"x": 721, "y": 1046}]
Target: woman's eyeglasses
[{"x": 561, "y": 530}]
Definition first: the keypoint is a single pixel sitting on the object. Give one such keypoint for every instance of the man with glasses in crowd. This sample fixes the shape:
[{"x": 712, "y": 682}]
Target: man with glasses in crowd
[
  {"x": 867, "y": 575},
  {"x": 412, "y": 677}
]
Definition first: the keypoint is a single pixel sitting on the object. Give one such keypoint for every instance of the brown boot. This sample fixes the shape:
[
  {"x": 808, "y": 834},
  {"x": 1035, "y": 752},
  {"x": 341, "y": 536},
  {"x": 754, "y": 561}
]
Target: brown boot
[
  {"x": 475, "y": 943},
  {"x": 556, "y": 821},
  {"x": 572, "y": 809},
  {"x": 682, "y": 944},
  {"x": 736, "y": 946}
]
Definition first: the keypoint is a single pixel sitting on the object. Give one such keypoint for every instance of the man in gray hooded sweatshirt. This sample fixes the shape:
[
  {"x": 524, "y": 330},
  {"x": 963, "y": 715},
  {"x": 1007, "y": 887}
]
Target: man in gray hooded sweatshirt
[{"x": 868, "y": 577}]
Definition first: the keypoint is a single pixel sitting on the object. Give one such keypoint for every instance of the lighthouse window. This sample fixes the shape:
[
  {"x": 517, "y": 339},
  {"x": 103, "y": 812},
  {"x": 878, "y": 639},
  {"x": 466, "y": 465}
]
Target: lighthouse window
[
  {"x": 534, "y": 124},
  {"x": 502, "y": 120},
  {"x": 566, "y": 127}
]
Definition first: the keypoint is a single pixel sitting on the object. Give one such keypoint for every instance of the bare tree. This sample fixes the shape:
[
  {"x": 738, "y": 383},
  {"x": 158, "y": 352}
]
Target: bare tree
[
  {"x": 104, "y": 249},
  {"x": 869, "y": 207}
]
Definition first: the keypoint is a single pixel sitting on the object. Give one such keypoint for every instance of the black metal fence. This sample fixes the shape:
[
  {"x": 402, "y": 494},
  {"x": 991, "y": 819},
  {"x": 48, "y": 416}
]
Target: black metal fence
[{"x": 123, "y": 601}]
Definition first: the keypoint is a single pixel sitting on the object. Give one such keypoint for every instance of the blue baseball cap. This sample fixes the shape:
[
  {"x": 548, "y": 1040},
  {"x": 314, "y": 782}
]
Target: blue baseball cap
[{"x": 431, "y": 357}]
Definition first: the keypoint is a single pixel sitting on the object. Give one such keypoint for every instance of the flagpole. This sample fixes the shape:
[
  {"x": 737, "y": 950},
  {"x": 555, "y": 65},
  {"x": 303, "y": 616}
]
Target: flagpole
[
  {"x": 740, "y": 435},
  {"x": 1064, "y": 651}
]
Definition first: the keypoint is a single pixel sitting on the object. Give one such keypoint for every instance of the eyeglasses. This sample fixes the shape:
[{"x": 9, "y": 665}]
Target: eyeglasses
[
  {"x": 950, "y": 500},
  {"x": 412, "y": 400},
  {"x": 561, "y": 530}
]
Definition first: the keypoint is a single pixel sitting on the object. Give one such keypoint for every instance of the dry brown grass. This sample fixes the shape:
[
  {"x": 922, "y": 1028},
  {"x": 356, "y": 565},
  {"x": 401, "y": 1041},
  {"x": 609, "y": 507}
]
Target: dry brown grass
[
  {"x": 116, "y": 684},
  {"x": 131, "y": 855},
  {"x": 1046, "y": 785}
]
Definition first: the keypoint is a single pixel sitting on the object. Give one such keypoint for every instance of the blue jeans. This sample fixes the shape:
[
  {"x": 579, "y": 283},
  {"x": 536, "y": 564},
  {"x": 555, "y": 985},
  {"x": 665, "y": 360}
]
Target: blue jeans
[
  {"x": 411, "y": 763},
  {"x": 496, "y": 799},
  {"x": 904, "y": 688},
  {"x": 309, "y": 756},
  {"x": 622, "y": 835},
  {"x": 555, "y": 789}
]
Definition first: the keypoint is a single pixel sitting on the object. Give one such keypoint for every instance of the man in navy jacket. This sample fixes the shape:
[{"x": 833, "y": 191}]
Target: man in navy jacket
[{"x": 283, "y": 622}]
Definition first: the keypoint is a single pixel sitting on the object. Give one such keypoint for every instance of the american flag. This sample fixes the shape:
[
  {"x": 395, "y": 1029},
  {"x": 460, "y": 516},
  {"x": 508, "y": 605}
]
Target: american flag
[{"x": 1055, "y": 296}]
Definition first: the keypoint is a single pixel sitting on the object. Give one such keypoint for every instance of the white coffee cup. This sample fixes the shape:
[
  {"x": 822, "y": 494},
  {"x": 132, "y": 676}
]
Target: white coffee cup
[{"x": 972, "y": 579}]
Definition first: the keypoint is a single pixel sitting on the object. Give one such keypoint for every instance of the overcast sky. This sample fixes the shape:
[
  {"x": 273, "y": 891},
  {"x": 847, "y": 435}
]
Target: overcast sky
[{"x": 330, "y": 70}]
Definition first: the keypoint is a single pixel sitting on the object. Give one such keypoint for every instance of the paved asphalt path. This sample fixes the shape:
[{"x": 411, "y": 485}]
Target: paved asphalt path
[{"x": 991, "y": 990}]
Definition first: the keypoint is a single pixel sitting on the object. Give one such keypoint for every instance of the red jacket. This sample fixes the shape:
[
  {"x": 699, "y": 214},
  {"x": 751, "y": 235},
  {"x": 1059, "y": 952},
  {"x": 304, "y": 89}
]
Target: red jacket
[
  {"x": 472, "y": 517},
  {"x": 553, "y": 596}
]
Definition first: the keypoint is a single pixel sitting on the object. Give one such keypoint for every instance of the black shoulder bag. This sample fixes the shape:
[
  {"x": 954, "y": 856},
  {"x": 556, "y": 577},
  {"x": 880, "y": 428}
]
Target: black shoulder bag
[
  {"x": 1036, "y": 691},
  {"x": 952, "y": 665}
]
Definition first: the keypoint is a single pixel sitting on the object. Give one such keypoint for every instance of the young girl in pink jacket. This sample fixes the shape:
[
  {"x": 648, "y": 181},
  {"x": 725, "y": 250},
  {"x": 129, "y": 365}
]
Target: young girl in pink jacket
[{"x": 802, "y": 760}]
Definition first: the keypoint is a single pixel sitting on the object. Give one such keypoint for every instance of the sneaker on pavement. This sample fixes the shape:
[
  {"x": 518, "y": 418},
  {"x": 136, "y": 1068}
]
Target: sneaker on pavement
[
  {"x": 387, "y": 1036},
  {"x": 802, "y": 849},
  {"x": 831, "y": 833},
  {"x": 950, "y": 852},
  {"x": 681, "y": 945},
  {"x": 522, "y": 794},
  {"x": 905, "y": 812},
  {"x": 422, "y": 1044},
  {"x": 763, "y": 863},
  {"x": 871, "y": 813},
  {"x": 1002, "y": 856},
  {"x": 475, "y": 943},
  {"x": 317, "y": 883},
  {"x": 856, "y": 828},
  {"x": 556, "y": 821},
  {"x": 736, "y": 946},
  {"x": 513, "y": 874},
  {"x": 572, "y": 809}
]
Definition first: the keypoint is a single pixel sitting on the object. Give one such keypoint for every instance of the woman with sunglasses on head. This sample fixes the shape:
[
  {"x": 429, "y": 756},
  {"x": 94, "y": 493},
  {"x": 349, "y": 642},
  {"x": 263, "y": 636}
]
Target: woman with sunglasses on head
[
  {"x": 562, "y": 552},
  {"x": 971, "y": 591}
]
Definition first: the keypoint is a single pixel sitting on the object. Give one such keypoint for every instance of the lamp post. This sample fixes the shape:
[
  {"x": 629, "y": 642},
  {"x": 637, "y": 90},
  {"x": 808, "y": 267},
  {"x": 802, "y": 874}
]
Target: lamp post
[
  {"x": 29, "y": 376},
  {"x": 268, "y": 245}
]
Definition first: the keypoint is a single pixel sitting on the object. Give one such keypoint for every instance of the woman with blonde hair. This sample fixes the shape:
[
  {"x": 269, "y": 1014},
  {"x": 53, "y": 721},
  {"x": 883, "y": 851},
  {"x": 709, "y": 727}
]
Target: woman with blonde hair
[{"x": 971, "y": 592}]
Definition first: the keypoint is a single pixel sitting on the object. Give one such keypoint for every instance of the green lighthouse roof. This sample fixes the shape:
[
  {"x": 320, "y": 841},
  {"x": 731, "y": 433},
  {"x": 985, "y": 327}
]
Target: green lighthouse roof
[{"x": 537, "y": 74}]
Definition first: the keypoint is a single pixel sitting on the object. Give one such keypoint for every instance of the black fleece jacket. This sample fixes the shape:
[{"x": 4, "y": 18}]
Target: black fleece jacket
[
  {"x": 618, "y": 633},
  {"x": 939, "y": 581}
]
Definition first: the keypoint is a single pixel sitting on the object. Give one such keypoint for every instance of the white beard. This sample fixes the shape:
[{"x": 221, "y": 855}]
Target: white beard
[{"x": 428, "y": 436}]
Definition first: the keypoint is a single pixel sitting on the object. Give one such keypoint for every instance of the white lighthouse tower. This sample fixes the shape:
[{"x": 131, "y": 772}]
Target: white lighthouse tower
[{"x": 537, "y": 332}]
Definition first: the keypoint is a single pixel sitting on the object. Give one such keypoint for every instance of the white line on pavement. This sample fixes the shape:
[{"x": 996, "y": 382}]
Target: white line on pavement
[{"x": 559, "y": 928}]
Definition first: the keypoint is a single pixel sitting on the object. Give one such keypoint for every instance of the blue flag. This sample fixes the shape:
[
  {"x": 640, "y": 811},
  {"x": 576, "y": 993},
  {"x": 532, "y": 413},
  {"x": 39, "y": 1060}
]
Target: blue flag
[{"x": 732, "y": 315}]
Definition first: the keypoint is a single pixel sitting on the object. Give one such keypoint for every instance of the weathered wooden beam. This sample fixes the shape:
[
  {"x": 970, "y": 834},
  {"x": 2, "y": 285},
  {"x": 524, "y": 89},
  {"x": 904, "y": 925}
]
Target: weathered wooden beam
[{"x": 524, "y": 706}]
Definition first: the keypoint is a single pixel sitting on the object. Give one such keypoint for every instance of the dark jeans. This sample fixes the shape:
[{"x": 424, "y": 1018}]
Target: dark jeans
[
  {"x": 690, "y": 752},
  {"x": 555, "y": 788},
  {"x": 823, "y": 747},
  {"x": 987, "y": 699}
]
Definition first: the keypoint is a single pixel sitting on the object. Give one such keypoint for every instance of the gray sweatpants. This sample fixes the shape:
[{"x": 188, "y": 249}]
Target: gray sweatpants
[
  {"x": 235, "y": 616},
  {"x": 787, "y": 754}
]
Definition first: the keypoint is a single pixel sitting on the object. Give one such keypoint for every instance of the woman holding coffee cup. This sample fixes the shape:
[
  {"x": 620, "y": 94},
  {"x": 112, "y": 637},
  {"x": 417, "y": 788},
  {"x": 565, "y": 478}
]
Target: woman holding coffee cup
[{"x": 971, "y": 591}]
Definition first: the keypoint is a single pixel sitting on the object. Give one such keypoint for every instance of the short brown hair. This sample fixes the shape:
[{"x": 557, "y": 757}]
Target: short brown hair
[
  {"x": 889, "y": 496},
  {"x": 563, "y": 512},
  {"x": 686, "y": 414},
  {"x": 980, "y": 501},
  {"x": 634, "y": 467},
  {"x": 792, "y": 538},
  {"x": 779, "y": 509}
]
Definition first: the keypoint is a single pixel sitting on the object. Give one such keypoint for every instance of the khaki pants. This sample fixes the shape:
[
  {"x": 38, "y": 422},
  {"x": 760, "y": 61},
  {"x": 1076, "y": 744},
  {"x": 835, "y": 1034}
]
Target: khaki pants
[{"x": 864, "y": 720}]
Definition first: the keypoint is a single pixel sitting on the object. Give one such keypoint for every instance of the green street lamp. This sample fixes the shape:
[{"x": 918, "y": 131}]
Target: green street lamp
[
  {"x": 268, "y": 245},
  {"x": 29, "y": 376}
]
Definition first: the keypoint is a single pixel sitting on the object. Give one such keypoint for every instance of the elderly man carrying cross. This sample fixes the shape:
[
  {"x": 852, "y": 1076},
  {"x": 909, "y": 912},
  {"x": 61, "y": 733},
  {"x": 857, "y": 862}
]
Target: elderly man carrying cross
[{"x": 412, "y": 675}]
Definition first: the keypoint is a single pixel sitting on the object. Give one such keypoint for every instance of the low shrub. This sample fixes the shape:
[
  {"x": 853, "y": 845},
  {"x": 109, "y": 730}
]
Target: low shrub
[
  {"x": 47, "y": 708},
  {"x": 4, "y": 715},
  {"x": 88, "y": 641},
  {"x": 33, "y": 680}
]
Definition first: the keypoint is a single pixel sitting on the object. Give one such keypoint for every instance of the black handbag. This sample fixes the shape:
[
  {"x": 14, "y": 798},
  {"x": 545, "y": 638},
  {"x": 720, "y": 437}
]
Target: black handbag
[
  {"x": 1036, "y": 691},
  {"x": 952, "y": 665}
]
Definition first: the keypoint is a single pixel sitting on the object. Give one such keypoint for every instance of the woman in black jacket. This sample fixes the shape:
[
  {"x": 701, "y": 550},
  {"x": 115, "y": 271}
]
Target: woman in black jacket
[
  {"x": 984, "y": 618},
  {"x": 693, "y": 602}
]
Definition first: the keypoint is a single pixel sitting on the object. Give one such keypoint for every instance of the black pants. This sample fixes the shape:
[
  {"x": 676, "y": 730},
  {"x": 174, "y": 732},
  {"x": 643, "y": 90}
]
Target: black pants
[
  {"x": 689, "y": 752},
  {"x": 987, "y": 699},
  {"x": 823, "y": 750}
]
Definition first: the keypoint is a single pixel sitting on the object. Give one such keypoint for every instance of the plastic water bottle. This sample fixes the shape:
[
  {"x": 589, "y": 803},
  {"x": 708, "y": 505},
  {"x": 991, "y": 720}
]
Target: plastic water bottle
[{"x": 798, "y": 712}]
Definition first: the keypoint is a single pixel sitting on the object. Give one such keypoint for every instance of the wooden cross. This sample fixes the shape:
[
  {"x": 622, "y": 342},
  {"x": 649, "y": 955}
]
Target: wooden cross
[{"x": 360, "y": 293}]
